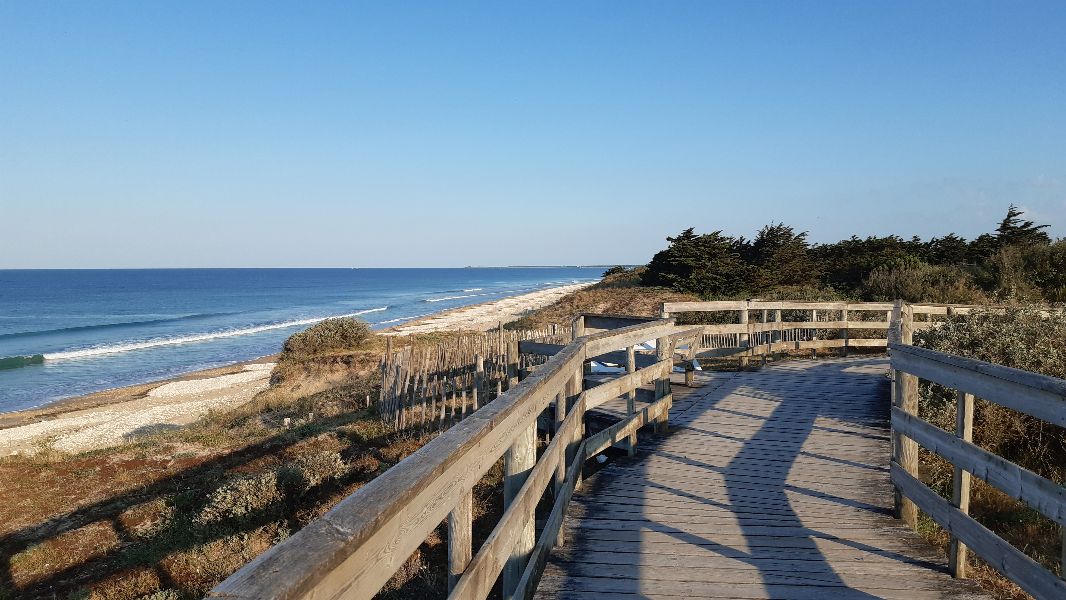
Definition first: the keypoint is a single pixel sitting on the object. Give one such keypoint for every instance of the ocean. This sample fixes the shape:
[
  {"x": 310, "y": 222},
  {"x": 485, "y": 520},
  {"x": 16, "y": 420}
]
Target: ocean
[{"x": 65, "y": 333}]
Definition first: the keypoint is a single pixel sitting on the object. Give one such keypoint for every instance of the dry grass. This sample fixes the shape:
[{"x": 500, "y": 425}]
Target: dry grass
[
  {"x": 178, "y": 512},
  {"x": 618, "y": 294}
]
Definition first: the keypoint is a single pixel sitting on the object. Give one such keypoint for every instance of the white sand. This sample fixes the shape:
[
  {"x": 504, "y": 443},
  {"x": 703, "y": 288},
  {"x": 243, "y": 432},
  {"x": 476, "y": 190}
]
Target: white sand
[
  {"x": 486, "y": 316},
  {"x": 177, "y": 403},
  {"x": 168, "y": 406}
]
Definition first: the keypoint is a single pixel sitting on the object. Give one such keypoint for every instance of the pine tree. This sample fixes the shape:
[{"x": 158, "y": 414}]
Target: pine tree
[
  {"x": 781, "y": 257},
  {"x": 708, "y": 265},
  {"x": 1013, "y": 231}
]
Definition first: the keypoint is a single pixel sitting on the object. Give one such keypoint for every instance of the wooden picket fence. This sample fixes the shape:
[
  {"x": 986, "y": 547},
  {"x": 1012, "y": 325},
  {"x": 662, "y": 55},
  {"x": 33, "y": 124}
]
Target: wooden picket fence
[{"x": 432, "y": 387}]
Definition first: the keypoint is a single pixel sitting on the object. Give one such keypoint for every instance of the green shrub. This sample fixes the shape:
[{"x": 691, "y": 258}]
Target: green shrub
[
  {"x": 915, "y": 281},
  {"x": 241, "y": 496},
  {"x": 310, "y": 470},
  {"x": 329, "y": 335},
  {"x": 1022, "y": 338}
]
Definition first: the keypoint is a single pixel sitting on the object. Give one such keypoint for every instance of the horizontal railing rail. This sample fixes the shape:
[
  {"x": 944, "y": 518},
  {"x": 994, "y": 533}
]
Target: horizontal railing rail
[
  {"x": 1036, "y": 395},
  {"x": 759, "y": 329},
  {"x": 354, "y": 549}
]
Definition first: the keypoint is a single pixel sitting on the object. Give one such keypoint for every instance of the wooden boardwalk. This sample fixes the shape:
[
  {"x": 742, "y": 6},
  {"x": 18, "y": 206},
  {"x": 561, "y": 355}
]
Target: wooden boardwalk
[{"x": 771, "y": 484}]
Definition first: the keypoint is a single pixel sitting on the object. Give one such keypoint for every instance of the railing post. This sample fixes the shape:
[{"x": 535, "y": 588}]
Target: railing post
[
  {"x": 780, "y": 334},
  {"x": 573, "y": 390},
  {"x": 960, "y": 493},
  {"x": 460, "y": 536},
  {"x": 560, "y": 416},
  {"x": 479, "y": 379},
  {"x": 906, "y": 449},
  {"x": 578, "y": 327},
  {"x": 631, "y": 398},
  {"x": 844, "y": 332},
  {"x": 745, "y": 338},
  {"x": 663, "y": 351},
  {"x": 518, "y": 462},
  {"x": 512, "y": 364}
]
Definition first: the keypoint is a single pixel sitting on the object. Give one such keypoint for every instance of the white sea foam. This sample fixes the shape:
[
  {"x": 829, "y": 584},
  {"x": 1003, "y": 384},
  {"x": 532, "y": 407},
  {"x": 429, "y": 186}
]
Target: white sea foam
[
  {"x": 473, "y": 289},
  {"x": 192, "y": 339},
  {"x": 397, "y": 320},
  {"x": 442, "y": 299}
]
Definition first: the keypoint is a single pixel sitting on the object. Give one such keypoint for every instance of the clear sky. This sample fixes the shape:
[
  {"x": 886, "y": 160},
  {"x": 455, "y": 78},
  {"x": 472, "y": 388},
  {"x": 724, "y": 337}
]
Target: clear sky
[{"x": 163, "y": 134}]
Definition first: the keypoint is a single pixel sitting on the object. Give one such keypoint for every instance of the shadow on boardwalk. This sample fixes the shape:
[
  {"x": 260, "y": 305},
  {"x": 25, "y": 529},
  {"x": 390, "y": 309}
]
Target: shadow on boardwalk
[{"x": 771, "y": 484}]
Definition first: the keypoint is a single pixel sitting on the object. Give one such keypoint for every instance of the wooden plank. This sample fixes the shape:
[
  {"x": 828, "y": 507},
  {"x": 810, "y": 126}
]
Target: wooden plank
[
  {"x": 1033, "y": 394},
  {"x": 606, "y": 321},
  {"x": 600, "y": 343},
  {"x": 1021, "y": 484},
  {"x": 543, "y": 349},
  {"x": 720, "y": 305},
  {"x": 1008, "y": 560}
]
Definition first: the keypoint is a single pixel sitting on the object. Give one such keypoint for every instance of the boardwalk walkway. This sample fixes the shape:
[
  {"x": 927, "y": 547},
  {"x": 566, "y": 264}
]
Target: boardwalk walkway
[{"x": 771, "y": 484}]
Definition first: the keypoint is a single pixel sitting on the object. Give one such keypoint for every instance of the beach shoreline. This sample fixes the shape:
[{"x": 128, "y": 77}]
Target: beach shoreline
[{"x": 120, "y": 414}]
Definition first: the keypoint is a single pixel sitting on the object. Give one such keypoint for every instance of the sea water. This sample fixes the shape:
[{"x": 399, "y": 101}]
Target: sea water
[{"x": 65, "y": 333}]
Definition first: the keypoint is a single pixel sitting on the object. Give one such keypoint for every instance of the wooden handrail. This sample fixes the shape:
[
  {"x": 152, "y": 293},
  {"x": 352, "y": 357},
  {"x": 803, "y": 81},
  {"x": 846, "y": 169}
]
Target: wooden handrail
[
  {"x": 1034, "y": 394},
  {"x": 355, "y": 548},
  {"x": 750, "y": 337}
]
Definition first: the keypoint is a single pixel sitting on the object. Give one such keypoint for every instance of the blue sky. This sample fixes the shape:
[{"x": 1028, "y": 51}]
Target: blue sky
[{"x": 171, "y": 134}]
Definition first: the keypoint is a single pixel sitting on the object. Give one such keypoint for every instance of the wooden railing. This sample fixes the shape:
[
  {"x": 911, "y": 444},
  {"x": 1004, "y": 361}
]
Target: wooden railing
[
  {"x": 354, "y": 549},
  {"x": 1030, "y": 393},
  {"x": 758, "y": 329}
]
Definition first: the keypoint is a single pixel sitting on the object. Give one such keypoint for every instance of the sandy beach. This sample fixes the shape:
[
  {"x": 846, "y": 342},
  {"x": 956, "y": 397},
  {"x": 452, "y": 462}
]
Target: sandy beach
[
  {"x": 488, "y": 315},
  {"x": 121, "y": 415}
]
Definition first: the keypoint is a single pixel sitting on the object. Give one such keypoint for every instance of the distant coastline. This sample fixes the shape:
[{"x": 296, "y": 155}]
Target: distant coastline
[{"x": 110, "y": 416}]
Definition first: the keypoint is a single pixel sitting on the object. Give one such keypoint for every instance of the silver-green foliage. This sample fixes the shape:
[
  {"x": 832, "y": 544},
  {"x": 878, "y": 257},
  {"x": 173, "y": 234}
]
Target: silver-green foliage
[{"x": 1028, "y": 338}]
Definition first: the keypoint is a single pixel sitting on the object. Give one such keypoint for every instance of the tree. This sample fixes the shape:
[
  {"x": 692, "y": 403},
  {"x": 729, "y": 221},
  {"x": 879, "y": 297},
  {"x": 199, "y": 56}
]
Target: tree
[
  {"x": 1013, "y": 231},
  {"x": 781, "y": 256},
  {"x": 948, "y": 250},
  {"x": 849, "y": 262},
  {"x": 707, "y": 265}
]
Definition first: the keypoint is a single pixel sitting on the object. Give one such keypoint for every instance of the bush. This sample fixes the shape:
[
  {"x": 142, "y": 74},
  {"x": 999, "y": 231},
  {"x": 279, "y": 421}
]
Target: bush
[
  {"x": 915, "y": 281},
  {"x": 310, "y": 470},
  {"x": 329, "y": 335},
  {"x": 241, "y": 496},
  {"x": 1022, "y": 338}
]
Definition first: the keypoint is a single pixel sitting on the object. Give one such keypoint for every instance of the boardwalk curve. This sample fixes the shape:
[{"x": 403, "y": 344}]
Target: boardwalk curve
[{"x": 771, "y": 484}]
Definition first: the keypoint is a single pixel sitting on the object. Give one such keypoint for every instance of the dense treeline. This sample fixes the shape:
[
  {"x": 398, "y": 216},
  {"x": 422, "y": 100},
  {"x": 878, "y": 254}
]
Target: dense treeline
[{"x": 1017, "y": 262}]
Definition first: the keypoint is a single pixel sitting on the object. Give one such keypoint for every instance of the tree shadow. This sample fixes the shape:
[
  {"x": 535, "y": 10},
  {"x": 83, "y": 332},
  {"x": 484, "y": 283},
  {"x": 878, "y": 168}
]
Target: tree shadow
[
  {"x": 730, "y": 482},
  {"x": 185, "y": 491}
]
